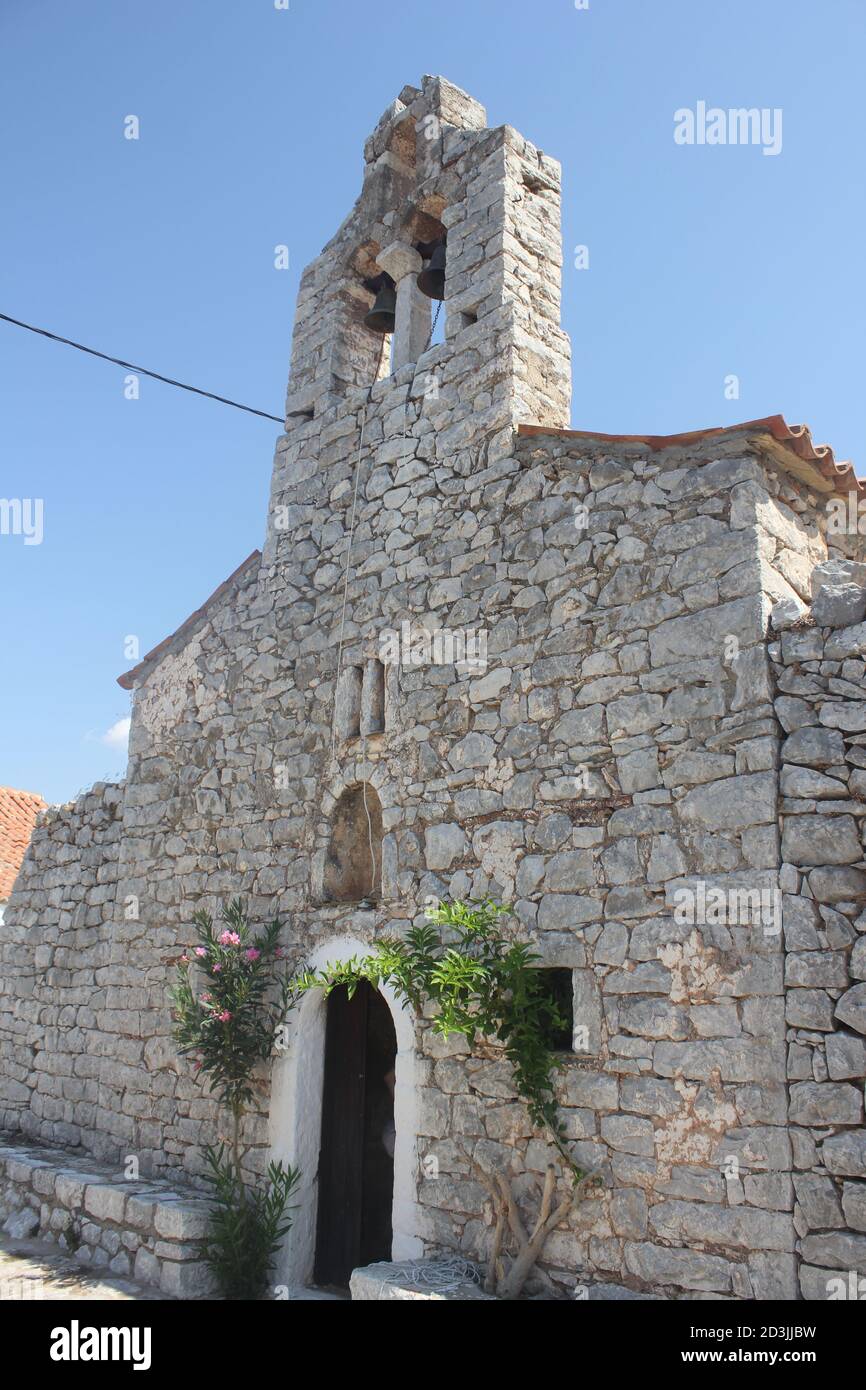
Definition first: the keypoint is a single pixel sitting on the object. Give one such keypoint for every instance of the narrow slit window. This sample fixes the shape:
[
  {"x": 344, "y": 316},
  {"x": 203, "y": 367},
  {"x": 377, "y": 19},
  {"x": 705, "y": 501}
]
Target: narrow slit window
[{"x": 557, "y": 987}]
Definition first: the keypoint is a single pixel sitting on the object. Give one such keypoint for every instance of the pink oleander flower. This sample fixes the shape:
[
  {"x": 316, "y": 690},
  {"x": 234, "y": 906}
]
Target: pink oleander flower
[
  {"x": 230, "y": 938},
  {"x": 217, "y": 968},
  {"x": 184, "y": 960},
  {"x": 252, "y": 953},
  {"x": 200, "y": 951},
  {"x": 224, "y": 1016},
  {"x": 278, "y": 953},
  {"x": 205, "y": 998}
]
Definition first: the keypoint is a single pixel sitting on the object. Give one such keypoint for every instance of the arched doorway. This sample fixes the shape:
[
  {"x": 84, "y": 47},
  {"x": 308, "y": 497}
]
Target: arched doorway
[
  {"x": 356, "y": 1154},
  {"x": 295, "y": 1120}
]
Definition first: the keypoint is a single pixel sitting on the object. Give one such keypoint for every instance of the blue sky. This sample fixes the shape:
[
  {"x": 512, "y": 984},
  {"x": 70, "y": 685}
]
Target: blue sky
[{"x": 703, "y": 262}]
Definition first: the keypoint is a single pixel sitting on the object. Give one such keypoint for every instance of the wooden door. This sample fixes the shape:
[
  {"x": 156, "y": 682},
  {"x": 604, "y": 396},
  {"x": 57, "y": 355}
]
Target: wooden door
[{"x": 356, "y": 1167}]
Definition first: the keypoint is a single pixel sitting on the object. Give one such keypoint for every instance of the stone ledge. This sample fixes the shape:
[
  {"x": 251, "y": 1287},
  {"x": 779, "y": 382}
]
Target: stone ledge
[
  {"x": 145, "y": 1229},
  {"x": 416, "y": 1280}
]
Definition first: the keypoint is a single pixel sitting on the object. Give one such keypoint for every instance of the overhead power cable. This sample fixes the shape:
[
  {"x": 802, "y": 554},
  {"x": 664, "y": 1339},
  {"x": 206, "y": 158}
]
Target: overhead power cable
[{"x": 141, "y": 371}]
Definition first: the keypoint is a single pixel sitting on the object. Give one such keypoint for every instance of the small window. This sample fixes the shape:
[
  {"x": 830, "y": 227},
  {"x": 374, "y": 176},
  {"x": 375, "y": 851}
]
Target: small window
[{"x": 558, "y": 989}]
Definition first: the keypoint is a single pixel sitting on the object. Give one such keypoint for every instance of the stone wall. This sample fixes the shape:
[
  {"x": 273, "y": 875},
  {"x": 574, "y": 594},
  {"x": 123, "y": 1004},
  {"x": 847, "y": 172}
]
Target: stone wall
[
  {"x": 821, "y": 706},
  {"x": 61, "y": 1000}
]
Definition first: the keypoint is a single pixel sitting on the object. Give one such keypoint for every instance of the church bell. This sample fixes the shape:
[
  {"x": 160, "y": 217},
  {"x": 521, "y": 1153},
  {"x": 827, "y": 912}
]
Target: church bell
[
  {"x": 382, "y": 317},
  {"x": 431, "y": 280}
]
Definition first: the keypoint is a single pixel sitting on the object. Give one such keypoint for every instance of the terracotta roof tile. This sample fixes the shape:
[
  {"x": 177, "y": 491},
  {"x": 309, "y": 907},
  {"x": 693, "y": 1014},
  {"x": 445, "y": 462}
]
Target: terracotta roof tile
[
  {"x": 18, "y": 812},
  {"x": 821, "y": 468}
]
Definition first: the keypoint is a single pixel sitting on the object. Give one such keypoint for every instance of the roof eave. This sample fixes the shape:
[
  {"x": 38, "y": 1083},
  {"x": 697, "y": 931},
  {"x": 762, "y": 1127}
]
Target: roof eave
[{"x": 130, "y": 679}]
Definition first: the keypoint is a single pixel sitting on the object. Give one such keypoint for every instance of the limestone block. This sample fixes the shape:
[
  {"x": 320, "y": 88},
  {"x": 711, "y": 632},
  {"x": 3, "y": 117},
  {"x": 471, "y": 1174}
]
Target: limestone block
[
  {"x": 854, "y": 1205},
  {"x": 818, "y": 969},
  {"x": 442, "y": 845},
  {"x": 22, "y": 1224},
  {"x": 846, "y": 642},
  {"x": 836, "y": 1249},
  {"x": 685, "y": 1269},
  {"x": 735, "y": 1059},
  {"x": 105, "y": 1203},
  {"x": 821, "y": 840},
  {"x": 845, "y": 1154},
  {"x": 846, "y": 1056},
  {"x": 837, "y": 884},
  {"x": 817, "y": 1285},
  {"x": 851, "y": 1008},
  {"x": 747, "y": 1228},
  {"x": 731, "y": 804},
  {"x": 595, "y": 1090},
  {"x": 185, "y": 1279},
  {"x": 826, "y": 1103},
  {"x": 185, "y": 1221},
  {"x": 810, "y": 1008},
  {"x": 818, "y": 1197}
]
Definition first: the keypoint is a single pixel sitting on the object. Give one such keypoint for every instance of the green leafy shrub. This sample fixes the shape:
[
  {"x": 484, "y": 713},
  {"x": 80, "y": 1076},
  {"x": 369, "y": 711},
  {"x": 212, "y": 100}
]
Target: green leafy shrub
[
  {"x": 479, "y": 983},
  {"x": 229, "y": 1019},
  {"x": 246, "y": 1226}
]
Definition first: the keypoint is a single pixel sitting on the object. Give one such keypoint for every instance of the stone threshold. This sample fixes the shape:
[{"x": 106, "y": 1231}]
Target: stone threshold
[{"x": 147, "y": 1230}]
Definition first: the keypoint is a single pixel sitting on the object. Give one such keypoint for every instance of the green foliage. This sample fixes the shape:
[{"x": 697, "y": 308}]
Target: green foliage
[
  {"x": 230, "y": 1020},
  {"x": 479, "y": 983},
  {"x": 246, "y": 1226},
  {"x": 234, "y": 1020}
]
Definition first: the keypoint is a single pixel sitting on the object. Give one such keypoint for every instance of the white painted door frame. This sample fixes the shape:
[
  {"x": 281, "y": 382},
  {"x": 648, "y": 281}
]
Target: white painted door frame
[{"x": 296, "y": 1120}]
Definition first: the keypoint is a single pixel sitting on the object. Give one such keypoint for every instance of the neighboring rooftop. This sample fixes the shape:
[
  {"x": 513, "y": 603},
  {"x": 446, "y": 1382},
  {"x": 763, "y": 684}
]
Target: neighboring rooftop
[{"x": 18, "y": 812}]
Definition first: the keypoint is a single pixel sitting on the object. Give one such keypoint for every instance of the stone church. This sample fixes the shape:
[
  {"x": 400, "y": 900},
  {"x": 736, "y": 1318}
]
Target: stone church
[{"x": 615, "y": 682}]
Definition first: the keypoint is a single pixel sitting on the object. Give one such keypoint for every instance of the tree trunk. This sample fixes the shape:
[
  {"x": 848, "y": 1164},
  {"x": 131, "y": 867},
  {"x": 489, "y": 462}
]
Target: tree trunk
[{"x": 508, "y": 1284}]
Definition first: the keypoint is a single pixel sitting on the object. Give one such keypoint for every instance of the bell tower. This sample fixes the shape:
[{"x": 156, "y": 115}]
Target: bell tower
[{"x": 451, "y": 208}]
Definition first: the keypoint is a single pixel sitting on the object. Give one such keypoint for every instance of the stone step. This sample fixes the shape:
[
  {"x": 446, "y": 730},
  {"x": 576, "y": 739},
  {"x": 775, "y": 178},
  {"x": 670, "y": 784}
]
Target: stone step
[{"x": 440, "y": 1281}]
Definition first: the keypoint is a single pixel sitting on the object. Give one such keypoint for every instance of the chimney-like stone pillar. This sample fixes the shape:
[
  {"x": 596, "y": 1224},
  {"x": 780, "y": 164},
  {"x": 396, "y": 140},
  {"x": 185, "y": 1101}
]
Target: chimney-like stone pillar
[{"x": 412, "y": 326}]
